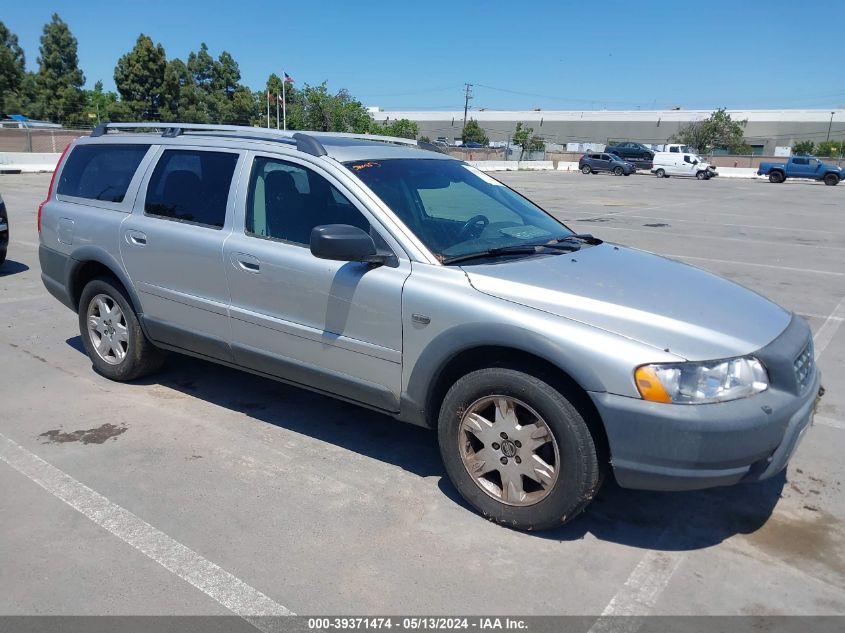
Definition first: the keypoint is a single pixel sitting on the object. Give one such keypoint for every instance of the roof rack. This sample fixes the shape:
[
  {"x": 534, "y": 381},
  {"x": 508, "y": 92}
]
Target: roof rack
[{"x": 305, "y": 142}]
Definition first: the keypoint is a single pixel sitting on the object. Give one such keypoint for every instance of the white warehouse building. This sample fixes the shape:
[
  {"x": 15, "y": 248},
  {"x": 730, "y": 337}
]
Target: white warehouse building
[{"x": 765, "y": 129}]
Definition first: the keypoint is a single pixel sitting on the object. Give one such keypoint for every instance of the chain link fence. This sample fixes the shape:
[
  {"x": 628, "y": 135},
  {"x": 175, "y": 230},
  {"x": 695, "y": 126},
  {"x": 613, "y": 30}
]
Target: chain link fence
[{"x": 47, "y": 140}]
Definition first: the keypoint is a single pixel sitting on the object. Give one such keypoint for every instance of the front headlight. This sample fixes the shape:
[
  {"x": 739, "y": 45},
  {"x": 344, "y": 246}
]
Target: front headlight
[{"x": 702, "y": 382}]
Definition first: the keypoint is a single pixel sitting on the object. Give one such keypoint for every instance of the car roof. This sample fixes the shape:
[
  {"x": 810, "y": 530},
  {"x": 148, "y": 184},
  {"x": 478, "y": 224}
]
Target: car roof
[{"x": 343, "y": 147}]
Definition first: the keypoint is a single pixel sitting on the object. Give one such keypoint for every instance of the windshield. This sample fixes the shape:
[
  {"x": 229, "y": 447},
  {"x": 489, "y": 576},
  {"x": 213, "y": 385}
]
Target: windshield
[{"x": 454, "y": 209}]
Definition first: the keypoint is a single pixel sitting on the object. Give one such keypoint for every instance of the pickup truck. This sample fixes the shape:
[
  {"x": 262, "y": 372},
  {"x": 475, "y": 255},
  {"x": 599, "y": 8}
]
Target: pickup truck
[{"x": 802, "y": 167}]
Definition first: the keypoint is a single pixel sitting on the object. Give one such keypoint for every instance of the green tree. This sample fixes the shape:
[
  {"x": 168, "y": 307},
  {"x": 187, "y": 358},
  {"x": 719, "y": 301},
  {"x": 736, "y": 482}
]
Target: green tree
[
  {"x": 12, "y": 67},
  {"x": 527, "y": 141},
  {"x": 830, "y": 148},
  {"x": 139, "y": 77},
  {"x": 718, "y": 130},
  {"x": 98, "y": 102},
  {"x": 25, "y": 99},
  {"x": 227, "y": 75},
  {"x": 803, "y": 148},
  {"x": 59, "y": 80},
  {"x": 474, "y": 133},
  {"x": 315, "y": 108},
  {"x": 202, "y": 67},
  {"x": 402, "y": 128}
]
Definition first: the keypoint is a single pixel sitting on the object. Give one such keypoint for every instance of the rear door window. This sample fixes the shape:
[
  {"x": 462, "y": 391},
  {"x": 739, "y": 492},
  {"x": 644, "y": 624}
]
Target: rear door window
[
  {"x": 191, "y": 186},
  {"x": 100, "y": 172}
]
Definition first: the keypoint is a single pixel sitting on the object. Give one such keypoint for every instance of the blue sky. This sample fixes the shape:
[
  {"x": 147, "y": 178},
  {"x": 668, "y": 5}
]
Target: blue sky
[{"x": 417, "y": 55}]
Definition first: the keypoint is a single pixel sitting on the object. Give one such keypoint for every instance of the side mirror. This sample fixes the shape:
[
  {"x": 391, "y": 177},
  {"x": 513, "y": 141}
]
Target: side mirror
[{"x": 345, "y": 243}]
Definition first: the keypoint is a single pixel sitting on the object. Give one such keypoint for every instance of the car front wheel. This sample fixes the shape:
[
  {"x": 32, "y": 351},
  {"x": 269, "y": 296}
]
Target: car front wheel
[
  {"x": 517, "y": 449},
  {"x": 112, "y": 335},
  {"x": 831, "y": 179}
]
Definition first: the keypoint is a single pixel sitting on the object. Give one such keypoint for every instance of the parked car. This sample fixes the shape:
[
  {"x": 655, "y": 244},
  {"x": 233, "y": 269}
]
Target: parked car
[
  {"x": 802, "y": 167},
  {"x": 472, "y": 144},
  {"x": 635, "y": 153},
  {"x": 594, "y": 163},
  {"x": 4, "y": 231},
  {"x": 674, "y": 164},
  {"x": 408, "y": 282}
]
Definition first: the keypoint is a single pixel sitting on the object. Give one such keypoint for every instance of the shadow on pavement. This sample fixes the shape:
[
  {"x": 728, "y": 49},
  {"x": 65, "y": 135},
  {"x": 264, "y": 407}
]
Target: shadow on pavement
[
  {"x": 11, "y": 267},
  {"x": 670, "y": 521}
]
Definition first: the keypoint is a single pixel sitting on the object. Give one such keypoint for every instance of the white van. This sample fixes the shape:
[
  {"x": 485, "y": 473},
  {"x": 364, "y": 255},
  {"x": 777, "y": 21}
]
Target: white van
[{"x": 676, "y": 163}]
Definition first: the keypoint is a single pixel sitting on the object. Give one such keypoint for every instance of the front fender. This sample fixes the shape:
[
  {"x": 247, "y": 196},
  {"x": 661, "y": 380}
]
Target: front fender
[{"x": 449, "y": 344}]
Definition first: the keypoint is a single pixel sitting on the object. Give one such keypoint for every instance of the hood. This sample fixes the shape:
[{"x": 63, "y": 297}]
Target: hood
[{"x": 660, "y": 302}]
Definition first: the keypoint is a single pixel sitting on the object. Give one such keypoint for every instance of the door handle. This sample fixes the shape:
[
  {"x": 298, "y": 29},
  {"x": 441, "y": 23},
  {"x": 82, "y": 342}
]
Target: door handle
[
  {"x": 136, "y": 238},
  {"x": 244, "y": 261}
]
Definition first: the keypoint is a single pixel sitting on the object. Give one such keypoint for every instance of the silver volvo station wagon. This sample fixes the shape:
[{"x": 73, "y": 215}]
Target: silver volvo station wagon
[{"x": 389, "y": 275}]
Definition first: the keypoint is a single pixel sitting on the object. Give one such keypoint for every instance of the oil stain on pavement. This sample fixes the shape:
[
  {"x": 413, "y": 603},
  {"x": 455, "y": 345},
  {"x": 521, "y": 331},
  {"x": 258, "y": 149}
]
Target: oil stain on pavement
[{"x": 87, "y": 436}]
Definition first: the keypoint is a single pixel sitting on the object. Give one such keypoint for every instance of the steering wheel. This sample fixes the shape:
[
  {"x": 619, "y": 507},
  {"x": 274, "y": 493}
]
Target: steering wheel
[{"x": 468, "y": 230}]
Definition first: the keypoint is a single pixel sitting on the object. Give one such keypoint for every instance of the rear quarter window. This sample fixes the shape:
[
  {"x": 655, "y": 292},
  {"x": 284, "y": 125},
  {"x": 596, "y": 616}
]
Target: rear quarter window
[{"x": 100, "y": 172}]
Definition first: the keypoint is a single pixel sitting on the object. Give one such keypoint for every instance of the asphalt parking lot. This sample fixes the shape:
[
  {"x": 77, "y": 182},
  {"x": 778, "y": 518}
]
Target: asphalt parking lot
[{"x": 206, "y": 490}]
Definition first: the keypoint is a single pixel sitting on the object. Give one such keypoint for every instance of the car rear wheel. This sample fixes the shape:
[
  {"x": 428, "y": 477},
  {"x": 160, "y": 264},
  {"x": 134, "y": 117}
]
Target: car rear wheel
[
  {"x": 618, "y": 171},
  {"x": 776, "y": 177},
  {"x": 660, "y": 173},
  {"x": 831, "y": 179},
  {"x": 586, "y": 170},
  {"x": 517, "y": 449},
  {"x": 112, "y": 335}
]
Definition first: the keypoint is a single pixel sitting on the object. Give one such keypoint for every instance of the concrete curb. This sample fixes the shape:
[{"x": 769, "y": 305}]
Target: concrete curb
[{"x": 28, "y": 162}]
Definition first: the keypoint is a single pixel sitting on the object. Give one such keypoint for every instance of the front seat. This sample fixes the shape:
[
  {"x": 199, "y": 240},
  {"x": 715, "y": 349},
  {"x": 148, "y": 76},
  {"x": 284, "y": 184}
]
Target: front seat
[{"x": 286, "y": 209}]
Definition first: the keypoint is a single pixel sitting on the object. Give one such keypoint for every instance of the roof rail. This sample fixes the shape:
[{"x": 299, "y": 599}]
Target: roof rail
[{"x": 307, "y": 142}]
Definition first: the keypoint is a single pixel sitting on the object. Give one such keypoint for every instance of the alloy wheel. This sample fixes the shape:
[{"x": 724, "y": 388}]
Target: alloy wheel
[
  {"x": 107, "y": 329},
  {"x": 509, "y": 450}
]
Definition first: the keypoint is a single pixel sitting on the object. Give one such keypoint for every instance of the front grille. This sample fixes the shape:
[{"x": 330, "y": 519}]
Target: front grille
[{"x": 803, "y": 365}]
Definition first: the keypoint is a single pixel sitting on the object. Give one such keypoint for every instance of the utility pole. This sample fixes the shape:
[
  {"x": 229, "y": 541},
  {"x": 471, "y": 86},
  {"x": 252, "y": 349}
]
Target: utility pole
[
  {"x": 829, "y": 125},
  {"x": 467, "y": 97}
]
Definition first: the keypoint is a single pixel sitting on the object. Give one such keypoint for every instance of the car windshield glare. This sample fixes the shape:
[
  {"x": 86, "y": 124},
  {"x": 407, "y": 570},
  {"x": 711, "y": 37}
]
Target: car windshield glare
[{"x": 455, "y": 209}]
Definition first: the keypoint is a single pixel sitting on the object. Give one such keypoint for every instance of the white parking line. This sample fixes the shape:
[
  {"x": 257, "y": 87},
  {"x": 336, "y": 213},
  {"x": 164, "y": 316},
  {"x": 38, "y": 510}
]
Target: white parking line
[
  {"x": 827, "y": 331},
  {"x": 640, "y": 592},
  {"x": 25, "y": 243},
  {"x": 774, "y": 266},
  {"x": 825, "y": 421},
  {"x": 741, "y": 226},
  {"x": 214, "y": 581},
  {"x": 729, "y": 239},
  {"x": 5, "y": 300}
]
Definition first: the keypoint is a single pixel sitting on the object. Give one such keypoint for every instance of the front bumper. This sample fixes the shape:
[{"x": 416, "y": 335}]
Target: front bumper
[{"x": 657, "y": 446}]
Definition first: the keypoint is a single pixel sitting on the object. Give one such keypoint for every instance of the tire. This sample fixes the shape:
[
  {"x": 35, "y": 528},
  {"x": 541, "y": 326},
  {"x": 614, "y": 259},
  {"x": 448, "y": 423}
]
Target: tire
[
  {"x": 660, "y": 173},
  {"x": 586, "y": 170},
  {"x": 776, "y": 177},
  {"x": 124, "y": 353},
  {"x": 831, "y": 179},
  {"x": 560, "y": 436},
  {"x": 618, "y": 171},
  {"x": 701, "y": 175},
  {"x": 3, "y": 256}
]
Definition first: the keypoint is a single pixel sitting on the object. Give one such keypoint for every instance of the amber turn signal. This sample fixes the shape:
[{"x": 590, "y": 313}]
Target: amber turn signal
[{"x": 649, "y": 385}]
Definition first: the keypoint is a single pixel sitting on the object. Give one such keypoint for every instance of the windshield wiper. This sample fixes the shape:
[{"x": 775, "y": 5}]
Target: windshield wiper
[
  {"x": 517, "y": 249},
  {"x": 581, "y": 237}
]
